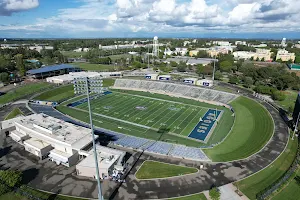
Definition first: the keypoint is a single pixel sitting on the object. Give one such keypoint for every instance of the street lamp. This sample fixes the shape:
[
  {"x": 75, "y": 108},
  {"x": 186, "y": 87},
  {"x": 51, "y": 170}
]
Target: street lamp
[
  {"x": 91, "y": 85},
  {"x": 296, "y": 126}
]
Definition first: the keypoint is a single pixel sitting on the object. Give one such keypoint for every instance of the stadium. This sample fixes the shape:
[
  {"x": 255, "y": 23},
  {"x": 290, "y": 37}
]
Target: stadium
[{"x": 226, "y": 136}]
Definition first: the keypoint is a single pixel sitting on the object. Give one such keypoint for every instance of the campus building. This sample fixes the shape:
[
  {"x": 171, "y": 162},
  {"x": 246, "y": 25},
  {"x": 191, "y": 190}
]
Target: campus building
[
  {"x": 46, "y": 136},
  {"x": 285, "y": 56}
]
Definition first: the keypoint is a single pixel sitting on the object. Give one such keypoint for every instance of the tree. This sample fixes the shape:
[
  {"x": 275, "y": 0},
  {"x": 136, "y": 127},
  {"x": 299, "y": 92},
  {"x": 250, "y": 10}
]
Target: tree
[
  {"x": 225, "y": 66},
  {"x": 233, "y": 79},
  {"x": 248, "y": 81},
  {"x": 20, "y": 64},
  {"x": 202, "y": 54},
  {"x": 11, "y": 178},
  {"x": 218, "y": 75},
  {"x": 4, "y": 77},
  {"x": 173, "y": 64},
  {"x": 214, "y": 193},
  {"x": 200, "y": 70},
  {"x": 181, "y": 67}
]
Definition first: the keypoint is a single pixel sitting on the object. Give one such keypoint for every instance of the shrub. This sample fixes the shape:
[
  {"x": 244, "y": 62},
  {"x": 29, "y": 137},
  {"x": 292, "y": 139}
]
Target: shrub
[
  {"x": 214, "y": 194},
  {"x": 278, "y": 95},
  {"x": 10, "y": 177}
]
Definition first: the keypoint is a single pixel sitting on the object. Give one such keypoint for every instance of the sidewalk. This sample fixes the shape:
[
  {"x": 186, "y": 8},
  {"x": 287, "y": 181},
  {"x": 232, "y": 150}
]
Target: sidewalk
[{"x": 228, "y": 193}]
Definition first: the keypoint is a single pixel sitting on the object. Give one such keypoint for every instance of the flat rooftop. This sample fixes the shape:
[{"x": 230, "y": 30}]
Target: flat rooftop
[
  {"x": 56, "y": 129},
  {"x": 106, "y": 157}
]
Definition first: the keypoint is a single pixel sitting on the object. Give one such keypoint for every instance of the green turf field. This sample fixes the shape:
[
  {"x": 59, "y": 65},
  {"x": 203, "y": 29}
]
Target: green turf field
[
  {"x": 14, "y": 113},
  {"x": 155, "y": 113},
  {"x": 256, "y": 183},
  {"x": 129, "y": 129},
  {"x": 152, "y": 169},
  {"x": 252, "y": 129},
  {"x": 291, "y": 191},
  {"x": 57, "y": 94},
  {"x": 22, "y": 91}
]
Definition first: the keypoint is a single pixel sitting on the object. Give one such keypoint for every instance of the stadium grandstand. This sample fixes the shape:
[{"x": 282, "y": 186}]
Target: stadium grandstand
[
  {"x": 172, "y": 89},
  {"x": 51, "y": 70}
]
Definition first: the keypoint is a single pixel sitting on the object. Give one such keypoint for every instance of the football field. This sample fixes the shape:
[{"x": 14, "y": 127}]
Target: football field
[{"x": 178, "y": 118}]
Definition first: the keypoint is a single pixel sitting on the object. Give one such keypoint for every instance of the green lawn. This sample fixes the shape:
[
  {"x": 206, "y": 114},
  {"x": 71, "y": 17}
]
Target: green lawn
[
  {"x": 191, "y": 197},
  {"x": 12, "y": 196},
  {"x": 14, "y": 113},
  {"x": 179, "y": 116},
  {"x": 95, "y": 67},
  {"x": 291, "y": 191},
  {"x": 128, "y": 129},
  {"x": 252, "y": 129},
  {"x": 290, "y": 99},
  {"x": 73, "y": 54},
  {"x": 57, "y": 94},
  {"x": 256, "y": 183},
  {"x": 23, "y": 91},
  {"x": 153, "y": 169}
]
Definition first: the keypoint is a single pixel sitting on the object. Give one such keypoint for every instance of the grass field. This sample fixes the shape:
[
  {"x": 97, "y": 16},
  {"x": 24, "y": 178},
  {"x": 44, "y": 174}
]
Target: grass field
[
  {"x": 152, "y": 169},
  {"x": 291, "y": 191},
  {"x": 252, "y": 129},
  {"x": 289, "y": 100},
  {"x": 73, "y": 54},
  {"x": 22, "y": 91},
  {"x": 176, "y": 117},
  {"x": 256, "y": 183},
  {"x": 191, "y": 197},
  {"x": 14, "y": 113},
  {"x": 96, "y": 67},
  {"x": 57, "y": 94}
]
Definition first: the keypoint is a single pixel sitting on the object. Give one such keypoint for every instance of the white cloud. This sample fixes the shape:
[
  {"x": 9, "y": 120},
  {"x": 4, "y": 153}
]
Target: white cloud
[
  {"x": 168, "y": 16},
  {"x": 9, "y": 6}
]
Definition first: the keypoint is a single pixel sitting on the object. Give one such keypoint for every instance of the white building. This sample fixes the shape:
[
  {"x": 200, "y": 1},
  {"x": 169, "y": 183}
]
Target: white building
[
  {"x": 39, "y": 48},
  {"x": 164, "y": 77},
  {"x": 181, "y": 51},
  {"x": 168, "y": 52},
  {"x": 82, "y": 50},
  {"x": 46, "y": 136},
  {"x": 285, "y": 56},
  {"x": 222, "y": 43},
  {"x": 191, "y": 81},
  {"x": 259, "y": 46},
  {"x": 151, "y": 76},
  {"x": 205, "y": 83},
  {"x": 109, "y": 162},
  {"x": 246, "y": 55},
  {"x": 68, "y": 78},
  {"x": 241, "y": 43}
]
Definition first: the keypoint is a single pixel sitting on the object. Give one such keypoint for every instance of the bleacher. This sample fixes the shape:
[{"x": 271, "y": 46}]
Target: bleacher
[
  {"x": 177, "y": 89},
  {"x": 160, "y": 147},
  {"x": 131, "y": 142},
  {"x": 188, "y": 152}
]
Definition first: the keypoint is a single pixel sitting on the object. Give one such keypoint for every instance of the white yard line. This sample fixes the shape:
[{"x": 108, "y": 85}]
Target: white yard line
[{"x": 189, "y": 123}]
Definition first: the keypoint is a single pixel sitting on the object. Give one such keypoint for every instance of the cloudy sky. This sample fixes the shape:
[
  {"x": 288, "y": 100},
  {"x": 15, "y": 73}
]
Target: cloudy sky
[{"x": 145, "y": 18}]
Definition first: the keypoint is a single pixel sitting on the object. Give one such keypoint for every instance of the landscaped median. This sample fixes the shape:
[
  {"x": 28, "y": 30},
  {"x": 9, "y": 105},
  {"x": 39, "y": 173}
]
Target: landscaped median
[
  {"x": 14, "y": 113},
  {"x": 154, "y": 170}
]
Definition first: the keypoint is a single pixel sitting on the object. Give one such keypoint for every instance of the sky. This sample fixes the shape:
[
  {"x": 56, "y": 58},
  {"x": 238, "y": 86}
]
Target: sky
[{"x": 147, "y": 18}]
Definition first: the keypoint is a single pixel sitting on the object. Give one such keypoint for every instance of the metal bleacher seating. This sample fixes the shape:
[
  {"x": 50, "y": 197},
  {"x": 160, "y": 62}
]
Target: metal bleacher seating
[
  {"x": 179, "y": 89},
  {"x": 188, "y": 152}
]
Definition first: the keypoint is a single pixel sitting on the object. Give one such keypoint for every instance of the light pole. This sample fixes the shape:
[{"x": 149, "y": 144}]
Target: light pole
[
  {"x": 213, "y": 78},
  {"x": 93, "y": 85}
]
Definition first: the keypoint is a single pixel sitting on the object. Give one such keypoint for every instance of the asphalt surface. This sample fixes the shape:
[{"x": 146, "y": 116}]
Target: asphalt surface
[{"x": 48, "y": 176}]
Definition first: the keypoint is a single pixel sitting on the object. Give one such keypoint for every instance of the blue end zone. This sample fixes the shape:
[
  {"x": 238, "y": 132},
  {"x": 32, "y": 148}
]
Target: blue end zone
[
  {"x": 203, "y": 128},
  {"x": 81, "y": 101}
]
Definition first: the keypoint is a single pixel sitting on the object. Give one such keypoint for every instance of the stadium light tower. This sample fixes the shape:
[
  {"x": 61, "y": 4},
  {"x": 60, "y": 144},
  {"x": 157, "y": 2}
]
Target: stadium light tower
[{"x": 91, "y": 85}]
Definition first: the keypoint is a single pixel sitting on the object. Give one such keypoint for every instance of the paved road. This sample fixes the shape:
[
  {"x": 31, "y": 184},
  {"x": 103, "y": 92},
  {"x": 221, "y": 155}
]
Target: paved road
[{"x": 53, "y": 178}]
